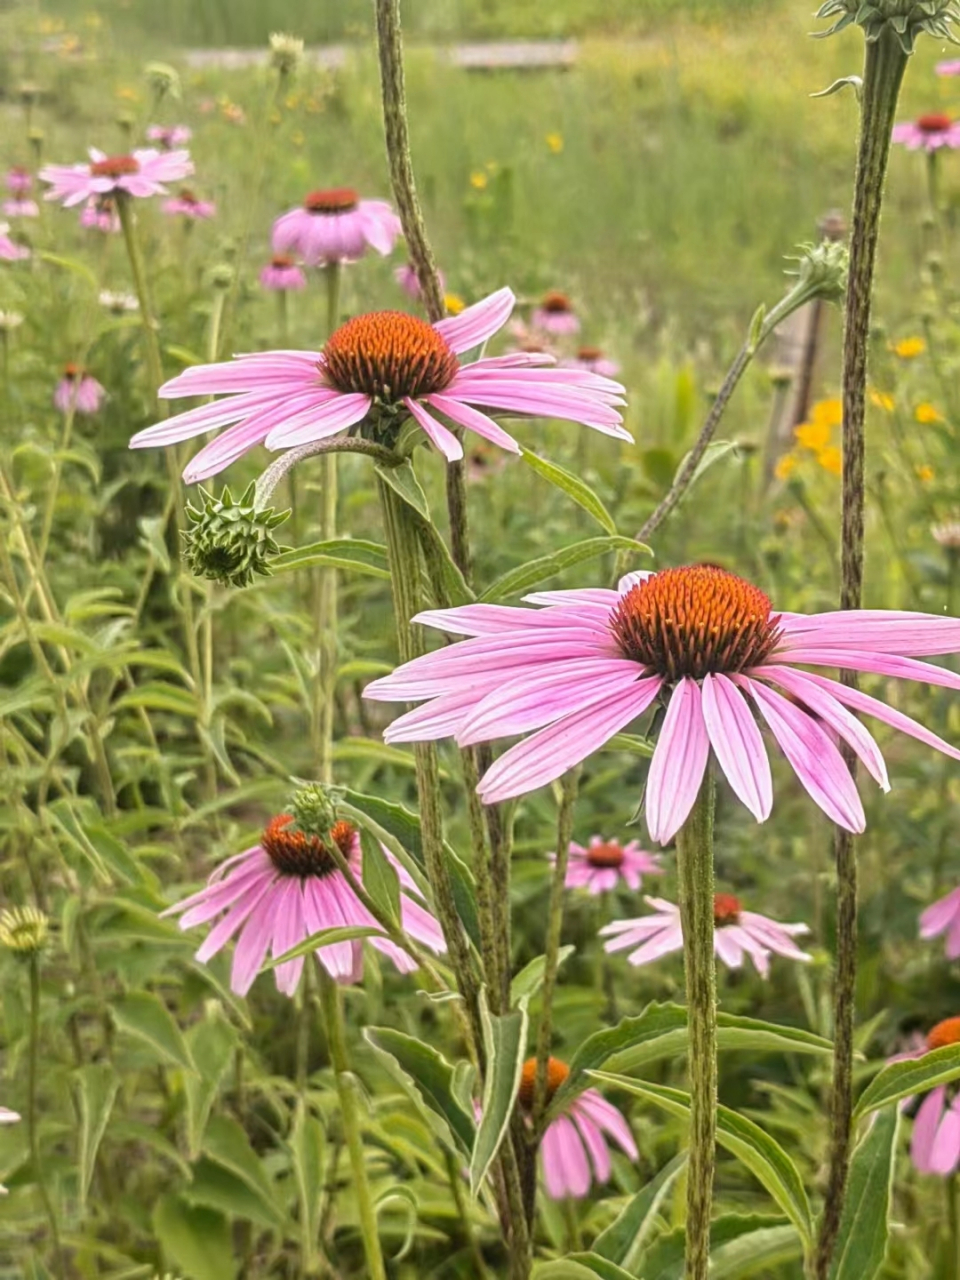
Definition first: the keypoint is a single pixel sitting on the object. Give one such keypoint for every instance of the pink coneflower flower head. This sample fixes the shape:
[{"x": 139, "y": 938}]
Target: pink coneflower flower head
[
  {"x": 935, "y": 1144},
  {"x": 7, "y": 1117},
  {"x": 100, "y": 214},
  {"x": 700, "y": 641},
  {"x": 336, "y": 226},
  {"x": 737, "y": 933},
  {"x": 282, "y": 272},
  {"x": 77, "y": 391},
  {"x": 406, "y": 278},
  {"x": 380, "y": 369},
  {"x": 604, "y": 864},
  {"x": 943, "y": 916},
  {"x": 555, "y": 315},
  {"x": 140, "y": 174},
  {"x": 169, "y": 137},
  {"x": 594, "y": 361},
  {"x": 948, "y": 68},
  {"x": 20, "y": 208},
  {"x": 19, "y": 180},
  {"x": 187, "y": 205},
  {"x": 575, "y": 1147},
  {"x": 288, "y": 887},
  {"x": 928, "y": 133},
  {"x": 10, "y": 251}
]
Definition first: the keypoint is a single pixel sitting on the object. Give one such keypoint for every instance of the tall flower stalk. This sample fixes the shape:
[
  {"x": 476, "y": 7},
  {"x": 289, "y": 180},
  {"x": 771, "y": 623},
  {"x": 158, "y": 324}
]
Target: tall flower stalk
[{"x": 326, "y": 583}]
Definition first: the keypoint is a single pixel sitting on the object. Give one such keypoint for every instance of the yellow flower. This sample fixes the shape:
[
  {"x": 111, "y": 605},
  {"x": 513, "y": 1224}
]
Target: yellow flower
[
  {"x": 926, "y": 413},
  {"x": 453, "y": 303},
  {"x": 786, "y": 466},
  {"x": 882, "y": 400},
  {"x": 126, "y": 94},
  {"x": 813, "y": 435},
  {"x": 909, "y": 348},
  {"x": 478, "y": 179},
  {"x": 827, "y": 413},
  {"x": 831, "y": 459},
  {"x": 555, "y": 142},
  {"x": 924, "y": 472}
]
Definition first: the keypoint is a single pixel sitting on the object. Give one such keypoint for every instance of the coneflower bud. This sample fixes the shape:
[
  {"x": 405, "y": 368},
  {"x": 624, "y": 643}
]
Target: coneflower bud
[
  {"x": 906, "y": 18},
  {"x": 163, "y": 79},
  {"x": 314, "y": 809},
  {"x": 24, "y": 931},
  {"x": 822, "y": 270},
  {"x": 231, "y": 540},
  {"x": 286, "y": 53}
]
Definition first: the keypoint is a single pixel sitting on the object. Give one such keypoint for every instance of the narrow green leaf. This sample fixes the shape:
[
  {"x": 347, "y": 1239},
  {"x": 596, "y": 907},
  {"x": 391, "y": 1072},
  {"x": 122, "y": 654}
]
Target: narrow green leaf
[
  {"x": 351, "y": 748},
  {"x": 505, "y": 1042},
  {"x": 916, "y": 1075},
  {"x": 404, "y": 1195},
  {"x": 581, "y": 1266},
  {"x": 424, "y": 1074},
  {"x": 196, "y": 1241},
  {"x": 156, "y": 695},
  {"x": 147, "y": 1018},
  {"x": 96, "y": 1086},
  {"x": 403, "y": 480},
  {"x": 449, "y": 585},
  {"x": 540, "y": 570},
  {"x": 324, "y": 938},
  {"x": 530, "y": 978},
  {"x": 624, "y": 1240},
  {"x": 664, "y": 1258},
  {"x": 215, "y": 1187},
  {"x": 651, "y": 1023},
  {"x": 307, "y": 1147},
  {"x": 573, "y": 487},
  {"x": 211, "y": 1044},
  {"x": 354, "y": 554},
  {"x": 716, "y": 450},
  {"x": 751, "y": 1145},
  {"x": 755, "y": 1253},
  {"x": 630, "y": 742},
  {"x": 379, "y": 878},
  {"x": 862, "y": 1241},
  {"x": 226, "y": 1144}
]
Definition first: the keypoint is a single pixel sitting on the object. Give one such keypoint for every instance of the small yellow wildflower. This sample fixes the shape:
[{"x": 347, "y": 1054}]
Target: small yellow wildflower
[
  {"x": 924, "y": 472},
  {"x": 555, "y": 142},
  {"x": 126, "y": 94},
  {"x": 909, "y": 348},
  {"x": 292, "y": 101},
  {"x": 926, "y": 414},
  {"x": 831, "y": 459},
  {"x": 453, "y": 303},
  {"x": 786, "y": 466},
  {"x": 478, "y": 180},
  {"x": 883, "y": 401},
  {"x": 827, "y": 413},
  {"x": 813, "y": 435}
]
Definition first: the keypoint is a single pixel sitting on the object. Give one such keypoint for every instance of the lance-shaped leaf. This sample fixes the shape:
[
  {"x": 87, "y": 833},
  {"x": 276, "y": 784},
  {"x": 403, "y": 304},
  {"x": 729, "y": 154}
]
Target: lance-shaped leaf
[
  {"x": 530, "y": 978},
  {"x": 227, "y": 1145},
  {"x": 402, "y": 479},
  {"x": 212, "y": 1044},
  {"x": 96, "y": 1087},
  {"x": 534, "y": 572},
  {"x": 428, "y": 1078},
  {"x": 741, "y": 1245},
  {"x": 624, "y": 1240},
  {"x": 862, "y": 1240},
  {"x": 504, "y": 1041},
  {"x": 379, "y": 878},
  {"x": 336, "y": 553},
  {"x": 581, "y": 1266},
  {"x": 916, "y": 1075},
  {"x": 574, "y": 488},
  {"x": 145, "y": 1017}
]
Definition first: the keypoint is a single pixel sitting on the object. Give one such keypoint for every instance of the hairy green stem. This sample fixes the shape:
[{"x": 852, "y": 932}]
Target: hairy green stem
[
  {"x": 695, "y": 876},
  {"x": 495, "y": 971},
  {"x": 271, "y": 477},
  {"x": 151, "y": 341},
  {"x": 326, "y": 582},
  {"x": 884, "y": 66},
  {"x": 347, "y": 1090},
  {"x": 33, "y": 1135}
]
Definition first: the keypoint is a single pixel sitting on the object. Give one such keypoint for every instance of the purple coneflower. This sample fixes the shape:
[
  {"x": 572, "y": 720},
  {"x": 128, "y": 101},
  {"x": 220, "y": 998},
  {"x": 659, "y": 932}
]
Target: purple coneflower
[
  {"x": 737, "y": 933},
  {"x": 336, "y": 226},
  {"x": 706, "y": 645},
  {"x": 7, "y": 1117},
  {"x": 78, "y": 391},
  {"x": 576, "y": 1140},
  {"x": 389, "y": 363},
  {"x": 288, "y": 887},
  {"x": 594, "y": 361},
  {"x": 943, "y": 916},
  {"x": 605, "y": 863},
  {"x": 169, "y": 137},
  {"x": 100, "y": 214},
  {"x": 19, "y": 180},
  {"x": 187, "y": 205},
  {"x": 142, "y": 173},
  {"x": 406, "y": 278},
  {"x": 555, "y": 315},
  {"x": 10, "y": 251},
  {"x": 282, "y": 272},
  {"x": 928, "y": 133}
]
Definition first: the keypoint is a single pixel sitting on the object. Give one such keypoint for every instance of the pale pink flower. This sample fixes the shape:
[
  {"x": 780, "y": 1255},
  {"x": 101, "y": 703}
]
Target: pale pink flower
[
  {"x": 19, "y": 180},
  {"x": 737, "y": 933},
  {"x": 142, "y": 173},
  {"x": 336, "y": 226},
  {"x": 169, "y": 136},
  {"x": 943, "y": 916},
  {"x": 555, "y": 315},
  {"x": 7, "y": 1117},
  {"x": 10, "y": 251},
  {"x": 187, "y": 205},
  {"x": 282, "y": 272},
  {"x": 100, "y": 214},
  {"x": 406, "y": 278},
  {"x": 383, "y": 360},
  {"x": 288, "y": 887},
  {"x": 575, "y": 1147},
  {"x": 78, "y": 391},
  {"x": 935, "y": 1143},
  {"x": 949, "y": 68},
  {"x": 603, "y": 864},
  {"x": 594, "y": 361},
  {"x": 928, "y": 133},
  {"x": 20, "y": 208},
  {"x": 706, "y": 645}
]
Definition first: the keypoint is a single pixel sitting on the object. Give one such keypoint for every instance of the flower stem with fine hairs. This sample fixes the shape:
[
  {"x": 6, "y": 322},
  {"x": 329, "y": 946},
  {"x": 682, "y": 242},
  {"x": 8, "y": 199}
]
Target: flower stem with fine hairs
[
  {"x": 884, "y": 66},
  {"x": 350, "y": 1119},
  {"x": 32, "y": 1133},
  {"x": 326, "y": 581},
  {"x": 151, "y": 342},
  {"x": 695, "y": 875}
]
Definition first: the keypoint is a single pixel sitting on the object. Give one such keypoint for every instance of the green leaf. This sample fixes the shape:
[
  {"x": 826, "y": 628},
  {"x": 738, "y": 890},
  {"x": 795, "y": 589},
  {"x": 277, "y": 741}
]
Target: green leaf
[
  {"x": 537, "y": 571},
  {"x": 755, "y": 1253},
  {"x": 145, "y": 1017},
  {"x": 574, "y": 488},
  {"x": 226, "y": 1144},
  {"x": 157, "y": 695},
  {"x": 196, "y": 1241},
  {"x": 96, "y": 1086},
  {"x": 449, "y": 585},
  {"x": 405, "y": 1195},
  {"x": 714, "y": 451},
  {"x": 211, "y": 1044},
  {"x": 505, "y": 1042},
  {"x": 751, "y": 1145},
  {"x": 307, "y": 1146},
  {"x": 215, "y": 1187},
  {"x": 403, "y": 480},
  {"x": 354, "y": 554},
  {"x": 623, "y": 1241},
  {"x": 862, "y": 1241},
  {"x": 379, "y": 877},
  {"x": 324, "y": 938},
  {"x": 630, "y": 742},
  {"x": 424, "y": 1074},
  {"x": 664, "y": 1259},
  {"x": 916, "y": 1075},
  {"x": 581, "y": 1266},
  {"x": 530, "y": 978},
  {"x": 70, "y": 264},
  {"x": 351, "y": 748}
]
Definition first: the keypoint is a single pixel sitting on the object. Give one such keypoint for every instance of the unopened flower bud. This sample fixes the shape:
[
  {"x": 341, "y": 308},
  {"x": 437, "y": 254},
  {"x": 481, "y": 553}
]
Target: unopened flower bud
[
  {"x": 163, "y": 79},
  {"x": 286, "y": 53},
  {"x": 906, "y": 18},
  {"x": 221, "y": 275},
  {"x": 230, "y": 540},
  {"x": 24, "y": 931},
  {"x": 314, "y": 809},
  {"x": 822, "y": 270}
]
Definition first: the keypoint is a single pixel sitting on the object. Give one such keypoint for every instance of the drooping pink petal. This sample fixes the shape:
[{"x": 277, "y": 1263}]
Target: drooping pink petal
[
  {"x": 565, "y": 1166},
  {"x": 940, "y": 914},
  {"x": 331, "y": 416},
  {"x": 435, "y": 431},
  {"x": 737, "y": 744},
  {"x": 254, "y": 943},
  {"x": 728, "y": 947},
  {"x": 610, "y": 1121},
  {"x": 877, "y": 664},
  {"x": 678, "y": 764},
  {"x": 907, "y": 635},
  {"x": 465, "y": 416},
  {"x": 476, "y": 324},
  {"x": 239, "y": 913},
  {"x": 594, "y": 1142},
  {"x": 289, "y": 929}
]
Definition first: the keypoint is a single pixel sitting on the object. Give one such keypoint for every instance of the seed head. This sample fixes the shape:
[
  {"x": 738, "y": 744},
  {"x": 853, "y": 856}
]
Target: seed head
[
  {"x": 24, "y": 931},
  {"x": 231, "y": 541}
]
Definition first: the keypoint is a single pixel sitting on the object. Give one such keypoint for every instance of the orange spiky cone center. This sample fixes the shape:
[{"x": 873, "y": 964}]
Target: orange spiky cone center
[
  {"x": 934, "y": 122},
  {"x": 726, "y": 909},
  {"x": 608, "y": 854},
  {"x": 114, "y": 167},
  {"x": 388, "y": 355},
  {"x": 295, "y": 853},
  {"x": 557, "y": 1072},
  {"x": 332, "y": 201},
  {"x": 944, "y": 1033}
]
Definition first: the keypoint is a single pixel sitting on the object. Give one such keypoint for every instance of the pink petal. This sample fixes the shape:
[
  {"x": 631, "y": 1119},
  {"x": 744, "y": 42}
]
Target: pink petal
[
  {"x": 253, "y": 943},
  {"x": 476, "y": 324},
  {"x": 678, "y": 764},
  {"x": 595, "y": 1144},
  {"x": 727, "y": 947},
  {"x": 940, "y": 914},
  {"x": 608, "y": 1118},
  {"x": 910, "y": 635},
  {"x": 474, "y": 420},
  {"x": 878, "y": 664},
  {"x": 435, "y": 431},
  {"x": 225, "y": 929},
  {"x": 331, "y": 416},
  {"x": 565, "y": 1165},
  {"x": 738, "y": 744},
  {"x": 289, "y": 930}
]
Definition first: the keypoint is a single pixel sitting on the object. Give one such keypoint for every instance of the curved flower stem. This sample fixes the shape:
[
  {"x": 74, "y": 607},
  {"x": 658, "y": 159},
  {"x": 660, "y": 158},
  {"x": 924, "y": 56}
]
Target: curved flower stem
[
  {"x": 326, "y": 582},
  {"x": 884, "y": 65},
  {"x": 287, "y": 460},
  {"x": 350, "y": 1118},
  {"x": 695, "y": 875},
  {"x": 32, "y": 1133}
]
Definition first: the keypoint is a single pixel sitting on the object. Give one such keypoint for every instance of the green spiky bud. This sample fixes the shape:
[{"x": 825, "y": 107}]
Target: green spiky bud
[
  {"x": 314, "y": 809},
  {"x": 24, "y": 931},
  {"x": 286, "y": 53},
  {"x": 906, "y": 18},
  {"x": 230, "y": 540},
  {"x": 822, "y": 270}
]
